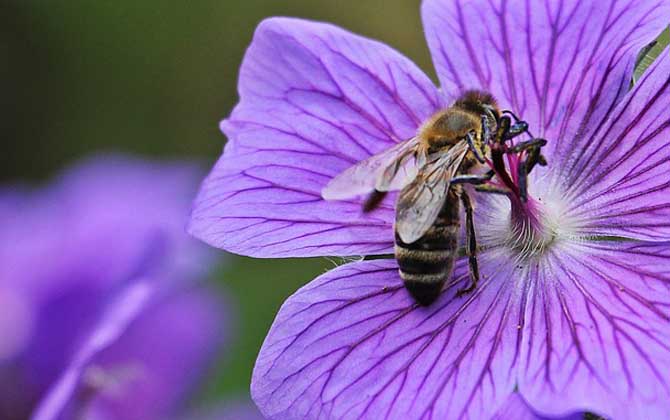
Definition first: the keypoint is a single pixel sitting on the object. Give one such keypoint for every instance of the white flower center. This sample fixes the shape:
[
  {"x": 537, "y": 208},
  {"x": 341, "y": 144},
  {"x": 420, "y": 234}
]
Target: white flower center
[{"x": 527, "y": 230}]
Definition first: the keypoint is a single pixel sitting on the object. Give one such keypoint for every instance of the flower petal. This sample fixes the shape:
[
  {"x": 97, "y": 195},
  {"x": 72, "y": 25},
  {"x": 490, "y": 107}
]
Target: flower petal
[
  {"x": 126, "y": 367},
  {"x": 315, "y": 99},
  {"x": 598, "y": 331},
  {"x": 624, "y": 183},
  {"x": 561, "y": 65},
  {"x": 516, "y": 408},
  {"x": 187, "y": 325},
  {"x": 353, "y": 344},
  {"x": 121, "y": 313},
  {"x": 228, "y": 409}
]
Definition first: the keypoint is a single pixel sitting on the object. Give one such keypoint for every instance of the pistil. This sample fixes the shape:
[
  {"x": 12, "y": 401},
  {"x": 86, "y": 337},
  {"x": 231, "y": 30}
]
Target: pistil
[{"x": 529, "y": 232}]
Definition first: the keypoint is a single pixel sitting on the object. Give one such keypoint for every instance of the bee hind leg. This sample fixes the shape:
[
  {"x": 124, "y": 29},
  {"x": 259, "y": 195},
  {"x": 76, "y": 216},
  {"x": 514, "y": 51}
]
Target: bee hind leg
[
  {"x": 373, "y": 200},
  {"x": 470, "y": 246}
]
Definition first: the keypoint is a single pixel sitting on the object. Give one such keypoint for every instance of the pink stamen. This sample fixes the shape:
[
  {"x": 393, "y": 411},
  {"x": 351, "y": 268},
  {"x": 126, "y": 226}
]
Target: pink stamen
[
  {"x": 526, "y": 212},
  {"x": 511, "y": 162}
]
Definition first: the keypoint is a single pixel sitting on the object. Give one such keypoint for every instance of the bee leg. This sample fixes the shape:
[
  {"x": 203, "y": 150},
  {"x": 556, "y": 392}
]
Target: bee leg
[
  {"x": 491, "y": 189},
  {"x": 470, "y": 246},
  {"x": 516, "y": 129},
  {"x": 526, "y": 165},
  {"x": 509, "y": 112},
  {"x": 374, "y": 199},
  {"x": 497, "y": 148},
  {"x": 486, "y": 131},
  {"x": 533, "y": 148},
  {"x": 473, "y": 179},
  {"x": 523, "y": 179},
  {"x": 535, "y": 158},
  {"x": 531, "y": 144},
  {"x": 519, "y": 126},
  {"x": 504, "y": 125},
  {"x": 470, "y": 137},
  {"x": 479, "y": 181}
]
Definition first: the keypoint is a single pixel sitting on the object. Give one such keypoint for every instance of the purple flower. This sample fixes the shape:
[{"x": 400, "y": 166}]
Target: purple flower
[
  {"x": 230, "y": 410},
  {"x": 573, "y": 309},
  {"x": 101, "y": 315},
  {"x": 515, "y": 408}
]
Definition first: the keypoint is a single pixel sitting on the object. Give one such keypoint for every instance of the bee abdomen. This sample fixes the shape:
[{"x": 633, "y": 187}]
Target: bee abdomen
[
  {"x": 422, "y": 262},
  {"x": 440, "y": 237},
  {"x": 426, "y": 264}
]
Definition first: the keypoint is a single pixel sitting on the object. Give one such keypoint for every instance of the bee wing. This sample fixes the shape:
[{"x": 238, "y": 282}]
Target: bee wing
[
  {"x": 420, "y": 201},
  {"x": 391, "y": 169}
]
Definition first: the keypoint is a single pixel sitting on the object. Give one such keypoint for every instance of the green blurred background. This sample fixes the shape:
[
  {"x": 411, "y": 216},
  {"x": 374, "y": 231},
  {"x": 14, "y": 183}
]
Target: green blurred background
[{"x": 154, "y": 78}]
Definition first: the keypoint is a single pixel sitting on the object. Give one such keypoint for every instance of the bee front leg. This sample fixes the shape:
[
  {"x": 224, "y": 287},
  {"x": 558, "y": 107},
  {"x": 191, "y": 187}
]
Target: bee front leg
[
  {"x": 504, "y": 124},
  {"x": 470, "y": 138},
  {"x": 533, "y": 147},
  {"x": 535, "y": 158},
  {"x": 528, "y": 145},
  {"x": 470, "y": 245},
  {"x": 516, "y": 129},
  {"x": 522, "y": 173},
  {"x": 519, "y": 126},
  {"x": 498, "y": 148}
]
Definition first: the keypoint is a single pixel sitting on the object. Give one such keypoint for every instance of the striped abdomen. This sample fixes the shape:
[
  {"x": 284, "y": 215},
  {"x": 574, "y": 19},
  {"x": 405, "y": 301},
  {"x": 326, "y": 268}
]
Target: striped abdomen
[{"x": 425, "y": 265}]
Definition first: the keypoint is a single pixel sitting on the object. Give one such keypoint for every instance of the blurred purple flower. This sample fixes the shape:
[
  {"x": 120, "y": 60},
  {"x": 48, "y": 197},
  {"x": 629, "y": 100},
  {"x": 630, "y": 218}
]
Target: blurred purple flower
[
  {"x": 101, "y": 316},
  {"x": 242, "y": 409},
  {"x": 575, "y": 313}
]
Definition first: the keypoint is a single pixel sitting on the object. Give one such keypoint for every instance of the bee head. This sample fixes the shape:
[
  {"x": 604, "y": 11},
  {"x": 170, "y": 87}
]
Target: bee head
[{"x": 480, "y": 103}]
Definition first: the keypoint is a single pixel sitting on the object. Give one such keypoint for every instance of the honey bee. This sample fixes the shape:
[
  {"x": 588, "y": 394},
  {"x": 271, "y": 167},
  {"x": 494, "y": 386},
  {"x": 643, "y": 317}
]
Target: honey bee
[{"x": 430, "y": 169}]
